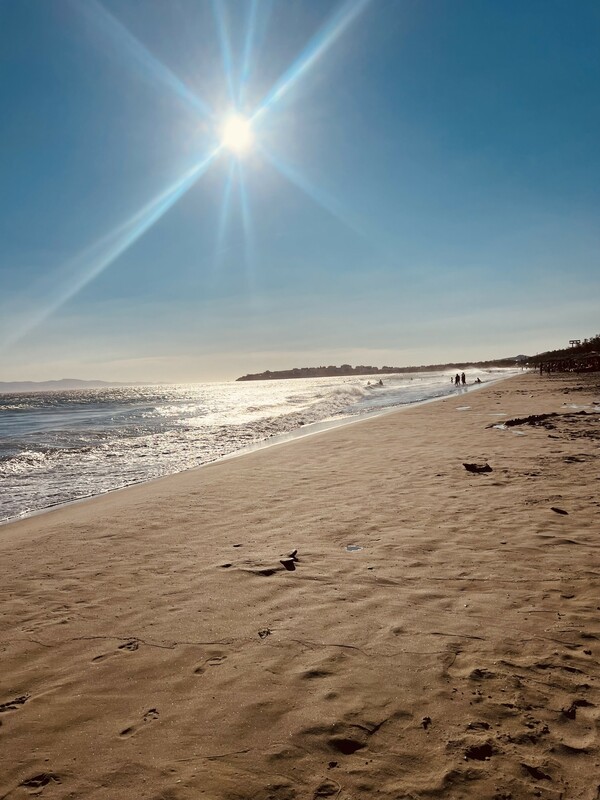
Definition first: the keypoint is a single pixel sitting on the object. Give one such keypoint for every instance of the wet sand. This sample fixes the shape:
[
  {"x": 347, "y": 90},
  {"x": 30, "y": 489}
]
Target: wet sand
[{"x": 153, "y": 645}]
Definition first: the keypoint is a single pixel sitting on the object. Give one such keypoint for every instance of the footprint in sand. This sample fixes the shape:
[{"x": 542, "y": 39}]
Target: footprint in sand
[
  {"x": 327, "y": 788},
  {"x": 130, "y": 645},
  {"x": 148, "y": 716},
  {"x": 215, "y": 661},
  {"x": 13, "y": 705},
  {"x": 479, "y": 752},
  {"x": 40, "y": 780}
]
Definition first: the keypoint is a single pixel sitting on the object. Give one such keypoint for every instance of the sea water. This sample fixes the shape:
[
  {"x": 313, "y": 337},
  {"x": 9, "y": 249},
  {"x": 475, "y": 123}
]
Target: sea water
[{"x": 60, "y": 446}]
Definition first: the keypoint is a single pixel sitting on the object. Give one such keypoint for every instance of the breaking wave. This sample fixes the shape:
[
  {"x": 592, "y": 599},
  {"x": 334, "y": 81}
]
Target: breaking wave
[{"x": 61, "y": 446}]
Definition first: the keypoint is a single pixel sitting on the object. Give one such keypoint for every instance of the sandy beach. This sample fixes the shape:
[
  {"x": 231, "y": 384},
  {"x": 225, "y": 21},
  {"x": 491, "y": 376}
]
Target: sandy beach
[{"x": 154, "y": 645}]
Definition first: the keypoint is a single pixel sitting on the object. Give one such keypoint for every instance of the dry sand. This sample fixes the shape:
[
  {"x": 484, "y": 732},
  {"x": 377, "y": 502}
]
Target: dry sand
[{"x": 153, "y": 646}]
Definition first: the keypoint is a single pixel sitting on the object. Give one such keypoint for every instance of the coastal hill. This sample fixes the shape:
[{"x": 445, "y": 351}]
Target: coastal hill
[
  {"x": 347, "y": 369},
  {"x": 582, "y": 355},
  {"x": 578, "y": 348}
]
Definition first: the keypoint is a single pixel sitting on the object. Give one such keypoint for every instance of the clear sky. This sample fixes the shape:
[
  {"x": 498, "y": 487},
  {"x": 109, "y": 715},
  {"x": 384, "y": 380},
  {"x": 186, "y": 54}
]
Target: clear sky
[{"x": 422, "y": 184}]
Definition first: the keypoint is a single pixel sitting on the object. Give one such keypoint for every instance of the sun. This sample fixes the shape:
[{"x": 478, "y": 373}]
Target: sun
[{"x": 236, "y": 134}]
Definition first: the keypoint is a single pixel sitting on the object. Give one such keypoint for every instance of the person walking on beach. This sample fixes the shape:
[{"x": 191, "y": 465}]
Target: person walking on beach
[
  {"x": 457, "y": 379},
  {"x": 463, "y": 378}
]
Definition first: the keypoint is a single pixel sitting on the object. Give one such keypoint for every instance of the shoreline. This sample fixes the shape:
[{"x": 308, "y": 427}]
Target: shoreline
[
  {"x": 311, "y": 429},
  {"x": 162, "y": 642}
]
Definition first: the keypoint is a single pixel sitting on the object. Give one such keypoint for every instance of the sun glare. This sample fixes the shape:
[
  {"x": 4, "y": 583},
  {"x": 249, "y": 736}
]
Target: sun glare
[{"x": 236, "y": 134}]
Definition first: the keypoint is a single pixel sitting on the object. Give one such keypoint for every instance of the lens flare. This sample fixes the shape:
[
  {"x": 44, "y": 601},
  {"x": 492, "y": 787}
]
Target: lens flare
[{"x": 236, "y": 133}]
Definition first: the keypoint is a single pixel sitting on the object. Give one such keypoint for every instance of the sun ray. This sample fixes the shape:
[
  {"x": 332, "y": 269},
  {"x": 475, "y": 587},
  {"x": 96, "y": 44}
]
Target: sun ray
[
  {"x": 316, "y": 48},
  {"x": 249, "y": 261},
  {"x": 317, "y": 195},
  {"x": 92, "y": 262},
  {"x": 247, "y": 54},
  {"x": 151, "y": 66},
  {"x": 99, "y": 256},
  {"x": 219, "y": 16},
  {"x": 224, "y": 214}
]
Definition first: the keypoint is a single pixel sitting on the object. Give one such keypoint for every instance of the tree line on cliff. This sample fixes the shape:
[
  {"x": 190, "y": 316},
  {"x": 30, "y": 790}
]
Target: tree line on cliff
[
  {"x": 347, "y": 369},
  {"x": 581, "y": 356}
]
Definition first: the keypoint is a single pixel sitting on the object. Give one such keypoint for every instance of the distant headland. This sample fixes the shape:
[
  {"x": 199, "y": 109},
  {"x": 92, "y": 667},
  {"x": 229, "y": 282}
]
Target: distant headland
[{"x": 347, "y": 369}]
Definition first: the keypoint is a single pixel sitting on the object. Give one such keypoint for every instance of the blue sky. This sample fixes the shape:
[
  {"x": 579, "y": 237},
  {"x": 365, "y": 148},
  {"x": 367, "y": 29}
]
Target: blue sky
[{"x": 424, "y": 184}]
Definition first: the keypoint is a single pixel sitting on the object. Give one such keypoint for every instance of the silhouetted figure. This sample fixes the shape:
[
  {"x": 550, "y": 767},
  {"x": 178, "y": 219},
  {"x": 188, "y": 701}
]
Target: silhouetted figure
[
  {"x": 457, "y": 379},
  {"x": 463, "y": 378},
  {"x": 380, "y": 382},
  {"x": 477, "y": 380}
]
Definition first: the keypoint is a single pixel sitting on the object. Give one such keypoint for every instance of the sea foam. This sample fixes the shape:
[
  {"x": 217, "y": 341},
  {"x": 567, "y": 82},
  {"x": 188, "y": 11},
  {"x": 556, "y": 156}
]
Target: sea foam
[{"x": 61, "y": 446}]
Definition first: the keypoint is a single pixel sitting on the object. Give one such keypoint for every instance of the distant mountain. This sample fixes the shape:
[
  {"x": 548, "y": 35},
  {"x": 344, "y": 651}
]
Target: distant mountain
[{"x": 49, "y": 386}]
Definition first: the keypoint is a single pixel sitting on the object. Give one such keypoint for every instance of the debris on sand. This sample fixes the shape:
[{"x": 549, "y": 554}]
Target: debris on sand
[{"x": 477, "y": 467}]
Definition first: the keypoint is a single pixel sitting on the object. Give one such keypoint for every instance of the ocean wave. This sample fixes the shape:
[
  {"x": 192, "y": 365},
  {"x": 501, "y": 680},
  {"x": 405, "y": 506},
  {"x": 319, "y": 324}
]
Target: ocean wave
[
  {"x": 73, "y": 445},
  {"x": 23, "y": 462}
]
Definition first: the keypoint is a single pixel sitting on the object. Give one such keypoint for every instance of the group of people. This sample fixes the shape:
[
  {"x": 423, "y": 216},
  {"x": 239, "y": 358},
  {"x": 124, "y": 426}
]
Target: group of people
[{"x": 461, "y": 379}]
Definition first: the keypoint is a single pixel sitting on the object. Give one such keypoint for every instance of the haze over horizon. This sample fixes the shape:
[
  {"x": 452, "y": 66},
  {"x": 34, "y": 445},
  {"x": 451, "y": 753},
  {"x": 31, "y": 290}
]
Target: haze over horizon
[{"x": 200, "y": 190}]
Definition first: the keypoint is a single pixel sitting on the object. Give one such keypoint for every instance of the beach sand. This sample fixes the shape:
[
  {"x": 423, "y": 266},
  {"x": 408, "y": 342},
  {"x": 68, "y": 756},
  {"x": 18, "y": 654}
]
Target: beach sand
[{"x": 152, "y": 645}]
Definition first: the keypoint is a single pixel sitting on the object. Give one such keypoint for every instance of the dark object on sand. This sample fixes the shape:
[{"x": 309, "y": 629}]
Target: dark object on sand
[
  {"x": 290, "y": 560},
  {"x": 426, "y": 722},
  {"x": 535, "y": 772},
  {"x": 264, "y": 633},
  {"x": 558, "y": 510},
  {"x": 477, "y": 467},
  {"x": 533, "y": 419},
  {"x": 571, "y": 711}
]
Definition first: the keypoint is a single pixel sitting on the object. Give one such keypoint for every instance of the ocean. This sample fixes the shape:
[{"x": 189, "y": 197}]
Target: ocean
[{"x": 60, "y": 446}]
